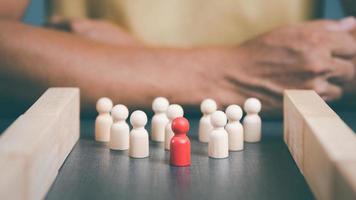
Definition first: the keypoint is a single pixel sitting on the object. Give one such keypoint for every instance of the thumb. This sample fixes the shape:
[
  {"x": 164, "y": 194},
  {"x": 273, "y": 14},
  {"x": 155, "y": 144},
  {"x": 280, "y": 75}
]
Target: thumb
[{"x": 345, "y": 24}]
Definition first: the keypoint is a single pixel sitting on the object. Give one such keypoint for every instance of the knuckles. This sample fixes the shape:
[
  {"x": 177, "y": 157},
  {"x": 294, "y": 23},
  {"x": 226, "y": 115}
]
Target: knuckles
[{"x": 313, "y": 64}]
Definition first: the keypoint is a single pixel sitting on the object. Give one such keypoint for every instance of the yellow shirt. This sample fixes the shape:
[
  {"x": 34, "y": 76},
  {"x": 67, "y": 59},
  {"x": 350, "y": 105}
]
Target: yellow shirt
[{"x": 190, "y": 22}]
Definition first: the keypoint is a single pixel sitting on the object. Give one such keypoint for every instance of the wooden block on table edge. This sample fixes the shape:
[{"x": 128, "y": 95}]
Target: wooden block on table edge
[
  {"x": 327, "y": 142},
  {"x": 309, "y": 151},
  {"x": 46, "y": 104},
  {"x": 300, "y": 103},
  {"x": 34, "y": 157},
  {"x": 53, "y": 122}
]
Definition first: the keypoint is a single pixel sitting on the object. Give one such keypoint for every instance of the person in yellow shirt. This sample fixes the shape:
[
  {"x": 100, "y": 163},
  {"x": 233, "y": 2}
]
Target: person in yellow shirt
[
  {"x": 186, "y": 50},
  {"x": 188, "y": 23}
]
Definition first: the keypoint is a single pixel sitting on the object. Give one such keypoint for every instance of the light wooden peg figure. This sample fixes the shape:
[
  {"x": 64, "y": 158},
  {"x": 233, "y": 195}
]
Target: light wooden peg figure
[
  {"x": 159, "y": 120},
  {"x": 207, "y": 107},
  {"x": 234, "y": 128},
  {"x": 173, "y": 111},
  {"x": 218, "y": 141},
  {"x": 139, "y": 144},
  {"x": 119, "y": 134},
  {"x": 252, "y": 121},
  {"x": 104, "y": 120}
]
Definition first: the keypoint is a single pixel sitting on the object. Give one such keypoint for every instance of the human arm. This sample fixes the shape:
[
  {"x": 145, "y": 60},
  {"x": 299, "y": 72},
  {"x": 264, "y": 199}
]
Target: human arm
[
  {"x": 298, "y": 56},
  {"x": 99, "y": 30},
  {"x": 32, "y": 59}
]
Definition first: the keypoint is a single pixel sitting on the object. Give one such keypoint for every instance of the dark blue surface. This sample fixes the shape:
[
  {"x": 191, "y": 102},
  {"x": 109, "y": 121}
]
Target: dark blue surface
[{"x": 263, "y": 170}]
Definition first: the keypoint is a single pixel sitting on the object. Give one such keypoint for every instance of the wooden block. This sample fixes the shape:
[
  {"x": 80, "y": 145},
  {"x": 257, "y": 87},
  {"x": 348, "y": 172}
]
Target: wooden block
[
  {"x": 345, "y": 180},
  {"x": 37, "y": 143},
  {"x": 297, "y": 105},
  {"x": 27, "y": 141},
  {"x": 318, "y": 141},
  {"x": 69, "y": 101},
  {"x": 327, "y": 141},
  {"x": 293, "y": 123}
]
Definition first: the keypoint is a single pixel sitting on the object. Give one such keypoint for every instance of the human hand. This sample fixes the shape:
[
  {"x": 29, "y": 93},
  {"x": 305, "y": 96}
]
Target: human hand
[
  {"x": 313, "y": 55},
  {"x": 350, "y": 88}
]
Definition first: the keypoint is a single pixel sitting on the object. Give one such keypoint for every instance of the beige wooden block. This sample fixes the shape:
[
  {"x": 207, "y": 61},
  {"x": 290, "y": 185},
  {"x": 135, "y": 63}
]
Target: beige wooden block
[
  {"x": 345, "y": 188},
  {"x": 293, "y": 136},
  {"x": 63, "y": 103},
  {"x": 318, "y": 141},
  {"x": 299, "y": 104},
  {"x": 40, "y": 140},
  {"x": 327, "y": 141},
  {"x": 26, "y": 140},
  {"x": 13, "y": 181},
  {"x": 54, "y": 100}
]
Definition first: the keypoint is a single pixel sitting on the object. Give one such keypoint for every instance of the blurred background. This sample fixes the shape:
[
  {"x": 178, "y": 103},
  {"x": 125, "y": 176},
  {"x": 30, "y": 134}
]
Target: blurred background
[{"x": 35, "y": 14}]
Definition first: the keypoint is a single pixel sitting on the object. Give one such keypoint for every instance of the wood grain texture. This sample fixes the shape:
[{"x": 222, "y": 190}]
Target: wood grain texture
[
  {"x": 318, "y": 140},
  {"x": 327, "y": 141},
  {"x": 34, "y": 147},
  {"x": 299, "y": 104}
]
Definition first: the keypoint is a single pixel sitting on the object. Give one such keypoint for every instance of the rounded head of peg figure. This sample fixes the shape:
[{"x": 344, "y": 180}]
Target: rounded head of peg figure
[
  {"x": 180, "y": 125},
  {"x": 119, "y": 112},
  {"x": 138, "y": 119},
  {"x": 174, "y": 111},
  {"x": 208, "y": 106},
  {"x": 160, "y": 104},
  {"x": 252, "y": 106},
  {"x": 218, "y": 119},
  {"x": 104, "y": 105},
  {"x": 234, "y": 112}
]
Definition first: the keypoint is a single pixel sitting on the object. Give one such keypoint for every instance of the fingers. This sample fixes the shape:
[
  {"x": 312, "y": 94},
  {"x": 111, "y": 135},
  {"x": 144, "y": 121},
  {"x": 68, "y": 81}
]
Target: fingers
[
  {"x": 331, "y": 93},
  {"x": 74, "y": 25},
  {"x": 58, "y": 22},
  {"x": 342, "y": 44},
  {"x": 328, "y": 91},
  {"x": 341, "y": 71},
  {"x": 345, "y": 24},
  {"x": 80, "y": 25},
  {"x": 329, "y": 85},
  {"x": 336, "y": 35}
]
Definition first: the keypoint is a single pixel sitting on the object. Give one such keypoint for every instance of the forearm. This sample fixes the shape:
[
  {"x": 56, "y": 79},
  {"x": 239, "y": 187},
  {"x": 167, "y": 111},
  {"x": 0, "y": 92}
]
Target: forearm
[{"x": 36, "y": 58}]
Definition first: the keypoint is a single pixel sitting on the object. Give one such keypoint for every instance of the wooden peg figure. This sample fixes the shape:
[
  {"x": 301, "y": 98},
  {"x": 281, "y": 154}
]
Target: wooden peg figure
[
  {"x": 252, "y": 122},
  {"x": 218, "y": 142},
  {"x": 173, "y": 112},
  {"x": 180, "y": 144},
  {"x": 207, "y": 107},
  {"x": 104, "y": 120},
  {"x": 234, "y": 128},
  {"x": 139, "y": 145},
  {"x": 159, "y": 119},
  {"x": 119, "y": 132}
]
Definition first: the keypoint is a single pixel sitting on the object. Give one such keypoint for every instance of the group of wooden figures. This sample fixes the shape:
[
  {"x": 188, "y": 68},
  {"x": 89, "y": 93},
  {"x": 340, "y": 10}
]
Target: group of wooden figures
[{"x": 222, "y": 131}]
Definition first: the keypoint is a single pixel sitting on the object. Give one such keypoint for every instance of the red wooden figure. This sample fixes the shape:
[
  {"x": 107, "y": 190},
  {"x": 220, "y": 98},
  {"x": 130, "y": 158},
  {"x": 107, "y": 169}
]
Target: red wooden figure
[{"x": 180, "y": 144}]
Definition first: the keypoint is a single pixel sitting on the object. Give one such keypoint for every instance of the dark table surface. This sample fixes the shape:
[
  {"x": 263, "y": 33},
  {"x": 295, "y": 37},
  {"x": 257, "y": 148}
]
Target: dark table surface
[{"x": 263, "y": 170}]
